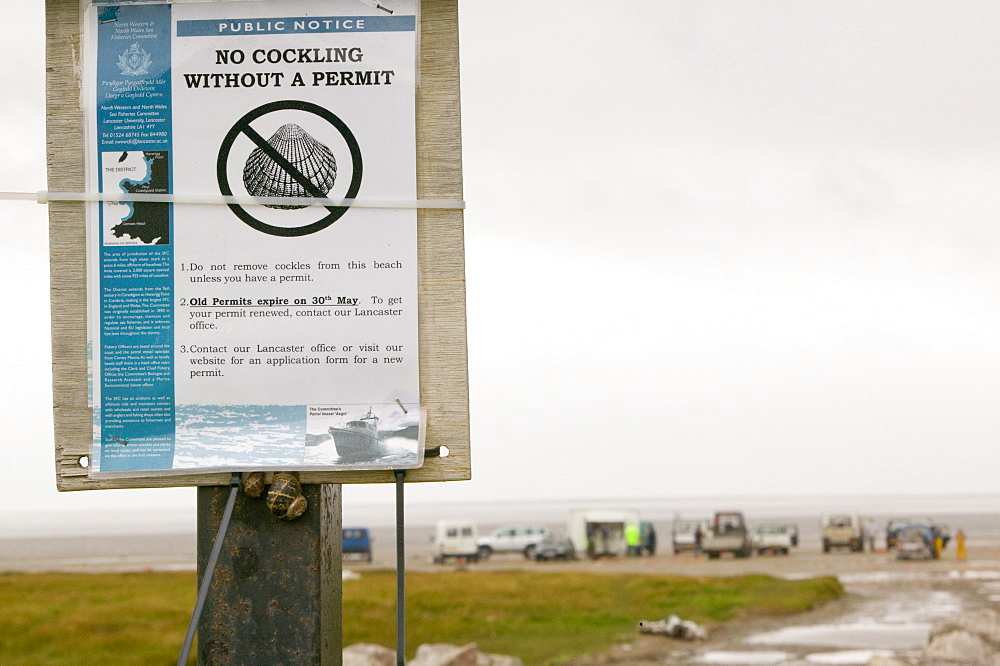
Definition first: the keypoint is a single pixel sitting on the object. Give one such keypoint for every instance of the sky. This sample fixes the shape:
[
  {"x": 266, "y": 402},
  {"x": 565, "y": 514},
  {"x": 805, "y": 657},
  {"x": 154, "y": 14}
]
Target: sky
[{"x": 713, "y": 248}]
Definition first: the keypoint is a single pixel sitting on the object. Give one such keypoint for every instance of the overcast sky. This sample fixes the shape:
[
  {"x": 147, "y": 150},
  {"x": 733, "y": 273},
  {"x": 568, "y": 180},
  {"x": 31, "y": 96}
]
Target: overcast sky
[{"x": 713, "y": 249}]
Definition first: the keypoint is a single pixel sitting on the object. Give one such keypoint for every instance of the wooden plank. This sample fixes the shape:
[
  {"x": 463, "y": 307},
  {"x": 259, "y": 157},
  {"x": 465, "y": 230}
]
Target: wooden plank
[{"x": 442, "y": 324}]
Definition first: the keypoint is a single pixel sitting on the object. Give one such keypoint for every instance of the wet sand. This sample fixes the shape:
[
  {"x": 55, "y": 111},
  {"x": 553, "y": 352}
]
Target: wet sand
[
  {"x": 803, "y": 562},
  {"x": 99, "y": 554},
  {"x": 177, "y": 551},
  {"x": 137, "y": 538}
]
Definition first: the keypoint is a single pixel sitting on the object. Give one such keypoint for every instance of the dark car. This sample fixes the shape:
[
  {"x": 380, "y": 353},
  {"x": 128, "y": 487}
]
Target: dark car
[
  {"x": 551, "y": 548},
  {"x": 357, "y": 543},
  {"x": 892, "y": 531},
  {"x": 893, "y": 527},
  {"x": 915, "y": 541}
]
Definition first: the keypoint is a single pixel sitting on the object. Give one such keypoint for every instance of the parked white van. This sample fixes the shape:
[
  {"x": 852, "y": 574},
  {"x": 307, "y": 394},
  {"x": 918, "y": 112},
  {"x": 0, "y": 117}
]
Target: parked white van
[{"x": 455, "y": 538}]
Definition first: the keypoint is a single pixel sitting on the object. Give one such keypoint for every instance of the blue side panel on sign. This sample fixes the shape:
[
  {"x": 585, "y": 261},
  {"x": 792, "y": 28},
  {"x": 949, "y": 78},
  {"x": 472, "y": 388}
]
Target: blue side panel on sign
[{"x": 136, "y": 255}]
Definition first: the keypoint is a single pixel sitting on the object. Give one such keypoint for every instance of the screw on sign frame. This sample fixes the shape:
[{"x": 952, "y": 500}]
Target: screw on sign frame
[{"x": 242, "y": 127}]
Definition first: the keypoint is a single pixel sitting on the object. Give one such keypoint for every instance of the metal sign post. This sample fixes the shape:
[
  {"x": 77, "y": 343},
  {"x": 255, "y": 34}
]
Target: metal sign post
[{"x": 276, "y": 593}]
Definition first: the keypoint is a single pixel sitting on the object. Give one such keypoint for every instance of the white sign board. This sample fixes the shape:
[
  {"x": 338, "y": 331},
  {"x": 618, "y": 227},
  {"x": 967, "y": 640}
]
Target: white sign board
[{"x": 243, "y": 336}]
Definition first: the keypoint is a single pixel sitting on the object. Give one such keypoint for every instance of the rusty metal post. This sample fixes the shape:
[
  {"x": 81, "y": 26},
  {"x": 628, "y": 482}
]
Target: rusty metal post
[{"x": 276, "y": 597}]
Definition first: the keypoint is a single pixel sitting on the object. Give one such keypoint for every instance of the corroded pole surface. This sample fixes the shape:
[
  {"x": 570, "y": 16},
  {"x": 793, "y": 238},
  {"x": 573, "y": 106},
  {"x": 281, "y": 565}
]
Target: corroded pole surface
[{"x": 276, "y": 594}]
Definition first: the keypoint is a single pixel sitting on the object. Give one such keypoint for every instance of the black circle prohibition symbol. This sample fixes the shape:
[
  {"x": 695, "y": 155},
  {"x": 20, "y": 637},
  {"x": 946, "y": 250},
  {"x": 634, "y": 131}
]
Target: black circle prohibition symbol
[{"x": 242, "y": 126}]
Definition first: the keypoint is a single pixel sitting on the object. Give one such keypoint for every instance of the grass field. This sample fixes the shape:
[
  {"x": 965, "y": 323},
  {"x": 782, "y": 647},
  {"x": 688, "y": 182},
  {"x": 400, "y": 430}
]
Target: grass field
[{"x": 541, "y": 617}]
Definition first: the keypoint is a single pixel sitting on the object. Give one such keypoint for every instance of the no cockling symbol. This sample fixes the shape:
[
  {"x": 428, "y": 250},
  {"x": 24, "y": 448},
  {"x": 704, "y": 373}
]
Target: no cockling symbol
[{"x": 290, "y": 172}]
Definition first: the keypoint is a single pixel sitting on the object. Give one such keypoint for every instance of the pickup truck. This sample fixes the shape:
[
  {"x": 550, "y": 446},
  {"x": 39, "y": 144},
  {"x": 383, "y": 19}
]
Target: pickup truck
[
  {"x": 727, "y": 534},
  {"x": 683, "y": 534},
  {"x": 843, "y": 530},
  {"x": 772, "y": 537}
]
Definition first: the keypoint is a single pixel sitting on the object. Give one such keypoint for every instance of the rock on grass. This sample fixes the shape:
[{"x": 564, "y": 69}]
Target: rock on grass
[{"x": 431, "y": 654}]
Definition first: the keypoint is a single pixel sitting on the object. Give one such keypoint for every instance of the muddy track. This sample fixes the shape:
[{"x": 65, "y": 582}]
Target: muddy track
[{"x": 895, "y": 610}]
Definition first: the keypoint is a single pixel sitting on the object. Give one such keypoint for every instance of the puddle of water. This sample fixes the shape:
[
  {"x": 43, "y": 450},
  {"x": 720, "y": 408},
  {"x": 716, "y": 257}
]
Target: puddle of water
[
  {"x": 991, "y": 590},
  {"x": 975, "y": 575},
  {"x": 845, "y": 657},
  {"x": 862, "y": 635},
  {"x": 886, "y": 576},
  {"x": 934, "y": 606},
  {"x": 891, "y": 619},
  {"x": 720, "y": 657}
]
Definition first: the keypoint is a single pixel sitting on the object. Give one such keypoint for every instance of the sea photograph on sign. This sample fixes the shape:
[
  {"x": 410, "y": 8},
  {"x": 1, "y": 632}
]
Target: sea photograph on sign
[{"x": 236, "y": 323}]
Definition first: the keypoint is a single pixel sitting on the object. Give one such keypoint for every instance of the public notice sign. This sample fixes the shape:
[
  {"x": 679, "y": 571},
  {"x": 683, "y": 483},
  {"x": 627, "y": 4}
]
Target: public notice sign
[{"x": 264, "y": 334}]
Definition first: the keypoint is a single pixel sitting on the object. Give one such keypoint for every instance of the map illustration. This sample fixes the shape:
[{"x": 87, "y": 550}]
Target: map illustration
[{"x": 135, "y": 222}]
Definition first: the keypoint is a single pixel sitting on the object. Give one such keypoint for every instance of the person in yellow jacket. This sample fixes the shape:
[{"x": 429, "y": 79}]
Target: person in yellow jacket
[{"x": 632, "y": 539}]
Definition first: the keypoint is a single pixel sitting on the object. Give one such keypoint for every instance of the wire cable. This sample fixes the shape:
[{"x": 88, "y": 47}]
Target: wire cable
[{"x": 400, "y": 573}]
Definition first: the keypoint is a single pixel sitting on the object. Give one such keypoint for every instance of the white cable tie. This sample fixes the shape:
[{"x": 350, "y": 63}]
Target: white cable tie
[
  {"x": 44, "y": 197},
  {"x": 21, "y": 196}
]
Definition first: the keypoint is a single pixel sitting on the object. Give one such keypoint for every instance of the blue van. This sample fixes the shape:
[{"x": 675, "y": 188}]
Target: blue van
[{"x": 357, "y": 543}]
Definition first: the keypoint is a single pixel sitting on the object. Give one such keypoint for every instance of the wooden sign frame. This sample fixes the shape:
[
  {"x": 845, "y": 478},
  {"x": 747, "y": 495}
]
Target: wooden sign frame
[{"x": 444, "y": 384}]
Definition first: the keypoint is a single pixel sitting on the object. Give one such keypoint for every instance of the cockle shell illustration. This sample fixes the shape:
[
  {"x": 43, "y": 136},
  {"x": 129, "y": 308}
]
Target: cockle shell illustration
[{"x": 264, "y": 177}]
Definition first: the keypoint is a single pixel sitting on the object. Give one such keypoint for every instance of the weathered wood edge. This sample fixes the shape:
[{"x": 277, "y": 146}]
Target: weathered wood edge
[{"x": 441, "y": 254}]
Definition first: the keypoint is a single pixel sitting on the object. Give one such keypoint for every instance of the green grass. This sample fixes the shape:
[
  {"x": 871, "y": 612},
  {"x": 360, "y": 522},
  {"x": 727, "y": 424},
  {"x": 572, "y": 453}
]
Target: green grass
[
  {"x": 545, "y": 617},
  {"x": 541, "y": 617},
  {"x": 73, "y": 619}
]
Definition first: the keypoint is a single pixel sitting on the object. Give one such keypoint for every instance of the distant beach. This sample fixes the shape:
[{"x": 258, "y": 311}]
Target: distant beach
[{"x": 156, "y": 539}]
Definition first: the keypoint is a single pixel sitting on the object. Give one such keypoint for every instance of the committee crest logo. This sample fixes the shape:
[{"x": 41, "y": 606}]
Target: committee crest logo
[{"x": 135, "y": 61}]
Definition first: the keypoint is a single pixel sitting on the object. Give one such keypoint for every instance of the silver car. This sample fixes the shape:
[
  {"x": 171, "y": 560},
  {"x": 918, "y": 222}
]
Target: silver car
[{"x": 512, "y": 539}]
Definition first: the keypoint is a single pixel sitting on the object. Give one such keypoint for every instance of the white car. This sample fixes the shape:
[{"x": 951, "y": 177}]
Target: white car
[{"x": 512, "y": 539}]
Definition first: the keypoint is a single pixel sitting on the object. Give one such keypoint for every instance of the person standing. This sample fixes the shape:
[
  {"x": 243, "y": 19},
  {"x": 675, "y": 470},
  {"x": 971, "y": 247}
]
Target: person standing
[
  {"x": 649, "y": 539},
  {"x": 632, "y": 539}
]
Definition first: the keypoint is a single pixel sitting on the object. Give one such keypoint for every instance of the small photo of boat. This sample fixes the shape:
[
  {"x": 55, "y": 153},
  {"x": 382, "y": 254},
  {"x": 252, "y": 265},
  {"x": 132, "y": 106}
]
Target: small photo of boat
[
  {"x": 373, "y": 437},
  {"x": 360, "y": 439}
]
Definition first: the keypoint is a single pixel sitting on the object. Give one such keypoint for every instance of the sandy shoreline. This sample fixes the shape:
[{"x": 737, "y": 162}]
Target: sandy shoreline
[
  {"x": 178, "y": 551},
  {"x": 135, "y": 539}
]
